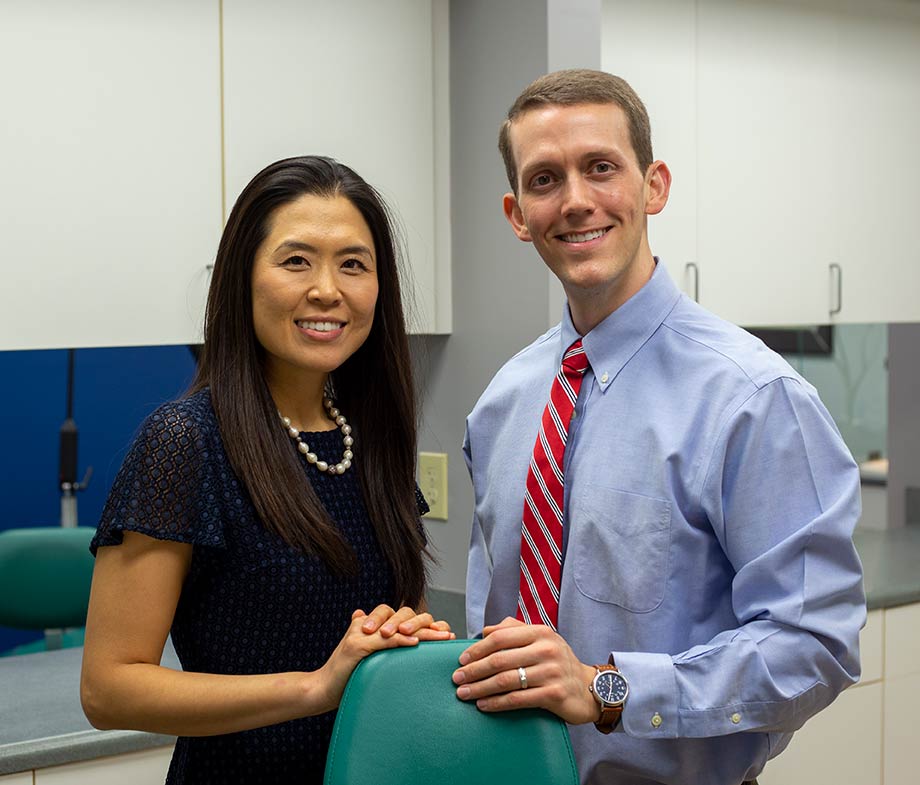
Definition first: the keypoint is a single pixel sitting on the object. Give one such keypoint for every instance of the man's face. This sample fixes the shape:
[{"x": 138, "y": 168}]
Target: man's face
[{"x": 582, "y": 201}]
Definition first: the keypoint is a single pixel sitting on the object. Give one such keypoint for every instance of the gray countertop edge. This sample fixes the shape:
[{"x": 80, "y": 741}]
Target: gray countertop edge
[
  {"x": 891, "y": 597},
  {"x": 75, "y": 747},
  {"x": 891, "y": 565}
]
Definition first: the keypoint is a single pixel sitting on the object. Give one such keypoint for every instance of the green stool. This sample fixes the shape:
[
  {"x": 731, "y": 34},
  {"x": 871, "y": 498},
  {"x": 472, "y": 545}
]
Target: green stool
[
  {"x": 400, "y": 722},
  {"x": 45, "y": 577}
]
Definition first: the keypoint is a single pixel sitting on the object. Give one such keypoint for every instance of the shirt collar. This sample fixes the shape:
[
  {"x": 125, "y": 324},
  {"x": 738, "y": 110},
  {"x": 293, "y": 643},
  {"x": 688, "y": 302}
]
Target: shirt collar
[{"x": 611, "y": 344}]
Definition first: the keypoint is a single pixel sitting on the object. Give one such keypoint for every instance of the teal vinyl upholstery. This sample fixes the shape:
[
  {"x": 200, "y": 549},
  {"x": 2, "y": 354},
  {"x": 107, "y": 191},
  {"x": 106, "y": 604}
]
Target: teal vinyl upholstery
[
  {"x": 400, "y": 721},
  {"x": 45, "y": 577}
]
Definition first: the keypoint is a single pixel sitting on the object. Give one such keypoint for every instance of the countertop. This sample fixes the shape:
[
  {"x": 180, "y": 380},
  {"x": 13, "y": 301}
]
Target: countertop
[
  {"x": 41, "y": 720},
  {"x": 891, "y": 565},
  {"x": 42, "y": 724}
]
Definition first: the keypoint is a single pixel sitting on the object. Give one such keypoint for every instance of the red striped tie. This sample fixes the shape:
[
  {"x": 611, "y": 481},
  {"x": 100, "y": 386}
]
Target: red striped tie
[{"x": 541, "y": 533}]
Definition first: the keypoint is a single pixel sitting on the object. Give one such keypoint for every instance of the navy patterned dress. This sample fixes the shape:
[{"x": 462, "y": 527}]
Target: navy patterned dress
[{"x": 250, "y": 603}]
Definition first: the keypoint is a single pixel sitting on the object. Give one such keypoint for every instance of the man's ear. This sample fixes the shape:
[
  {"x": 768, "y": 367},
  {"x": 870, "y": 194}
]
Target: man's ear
[
  {"x": 657, "y": 187},
  {"x": 516, "y": 217}
]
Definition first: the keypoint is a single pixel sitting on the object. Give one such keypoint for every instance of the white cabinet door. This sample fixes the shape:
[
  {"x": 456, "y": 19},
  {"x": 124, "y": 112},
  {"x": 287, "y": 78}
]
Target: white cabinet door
[
  {"x": 791, "y": 130},
  {"x": 840, "y": 745},
  {"x": 22, "y": 778},
  {"x": 355, "y": 80},
  {"x": 148, "y": 767},
  {"x": 666, "y": 83},
  {"x": 110, "y": 161},
  {"x": 902, "y": 693},
  {"x": 878, "y": 161},
  {"x": 902, "y": 641},
  {"x": 766, "y": 185}
]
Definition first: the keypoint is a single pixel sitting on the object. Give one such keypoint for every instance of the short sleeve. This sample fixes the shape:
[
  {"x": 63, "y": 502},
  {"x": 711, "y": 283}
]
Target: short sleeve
[
  {"x": 420, "y": 502},
  {"x": 170, "y": 485},
  {"x": 423, "y": 507}
]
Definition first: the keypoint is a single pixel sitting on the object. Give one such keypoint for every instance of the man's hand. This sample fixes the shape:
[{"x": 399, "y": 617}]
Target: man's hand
[{"x": 556, "y": 679}]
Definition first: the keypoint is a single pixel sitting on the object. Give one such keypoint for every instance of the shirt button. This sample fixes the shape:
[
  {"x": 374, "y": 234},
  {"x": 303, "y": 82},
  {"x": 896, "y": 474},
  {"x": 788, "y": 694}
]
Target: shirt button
[
  {"x": 736, "y": 718},
  {"x": 656, "y": 720},
  {"x": 604, "y": 377}
]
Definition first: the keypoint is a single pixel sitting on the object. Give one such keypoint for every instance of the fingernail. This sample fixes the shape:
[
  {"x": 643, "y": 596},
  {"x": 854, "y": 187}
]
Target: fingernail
[
  {"x": 463, "y": 693},
  {"x": 387, "y": 629},
  {"x": 464, "y": 658},
  {"x": 459, "y": 677}
]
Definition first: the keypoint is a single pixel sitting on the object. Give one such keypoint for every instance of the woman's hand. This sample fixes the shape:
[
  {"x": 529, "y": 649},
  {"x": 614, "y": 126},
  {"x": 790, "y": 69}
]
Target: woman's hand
[
  {"x": 383, "y": 628},
  {"x": 419, "y": 624},
  {"x": 356, "y": 644}
]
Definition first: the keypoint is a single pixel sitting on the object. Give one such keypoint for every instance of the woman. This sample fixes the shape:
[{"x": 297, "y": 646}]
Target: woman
[{"x": 249, "y": 519}]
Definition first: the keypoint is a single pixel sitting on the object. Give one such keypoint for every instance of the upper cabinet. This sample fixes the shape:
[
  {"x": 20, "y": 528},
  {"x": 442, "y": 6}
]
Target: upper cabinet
[
  {"x": 877, "y": 165},
  {"x": 765, "y": 162},
  {"x": 666, "y": 82},
  {"x": 110, "y": 161},
  {"x": 364, "y": 82},
  {"x": 129, "y": 129},
  {"x": 788, "y": 129}
]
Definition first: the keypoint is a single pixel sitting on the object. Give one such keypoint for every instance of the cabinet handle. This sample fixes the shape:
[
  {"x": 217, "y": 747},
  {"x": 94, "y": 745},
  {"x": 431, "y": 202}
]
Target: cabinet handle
[
  {"x": 696, "y": 279},
  {"x": 836, "y": 291}
]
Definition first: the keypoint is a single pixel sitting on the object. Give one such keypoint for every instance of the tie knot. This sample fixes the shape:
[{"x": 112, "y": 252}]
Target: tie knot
[{"x": 575, "y": 360}]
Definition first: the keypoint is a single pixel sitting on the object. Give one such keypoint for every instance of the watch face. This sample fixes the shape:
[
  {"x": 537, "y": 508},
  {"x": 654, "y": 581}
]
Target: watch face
[{"x": 610, "y": 687}]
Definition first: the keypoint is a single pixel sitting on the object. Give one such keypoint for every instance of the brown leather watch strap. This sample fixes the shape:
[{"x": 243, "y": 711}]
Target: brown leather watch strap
[{"x": 610, "y": 715}]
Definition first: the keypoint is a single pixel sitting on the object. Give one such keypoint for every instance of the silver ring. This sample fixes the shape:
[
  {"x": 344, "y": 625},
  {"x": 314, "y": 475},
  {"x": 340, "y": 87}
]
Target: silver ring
[{"x": 522, "y": 677}]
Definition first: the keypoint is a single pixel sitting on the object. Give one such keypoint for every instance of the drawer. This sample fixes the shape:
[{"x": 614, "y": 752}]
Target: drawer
[{"x": 902, "y": 641}]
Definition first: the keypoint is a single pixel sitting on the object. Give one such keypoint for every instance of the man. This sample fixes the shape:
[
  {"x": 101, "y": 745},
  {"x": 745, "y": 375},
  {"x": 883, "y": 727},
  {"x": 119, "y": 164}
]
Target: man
[{"x": 687, "y": 501}]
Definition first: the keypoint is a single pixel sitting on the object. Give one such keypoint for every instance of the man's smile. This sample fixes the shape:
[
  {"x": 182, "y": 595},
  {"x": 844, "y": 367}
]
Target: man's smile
[{"x": 584, "y": 237}]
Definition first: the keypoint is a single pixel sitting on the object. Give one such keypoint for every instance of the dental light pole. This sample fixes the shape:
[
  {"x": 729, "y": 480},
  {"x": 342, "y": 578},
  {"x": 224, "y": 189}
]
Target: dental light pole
[{"x": 68, "y": 465}]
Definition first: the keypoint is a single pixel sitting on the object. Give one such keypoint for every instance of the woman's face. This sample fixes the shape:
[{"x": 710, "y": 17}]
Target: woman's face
[{"x": 314, "y": 287}]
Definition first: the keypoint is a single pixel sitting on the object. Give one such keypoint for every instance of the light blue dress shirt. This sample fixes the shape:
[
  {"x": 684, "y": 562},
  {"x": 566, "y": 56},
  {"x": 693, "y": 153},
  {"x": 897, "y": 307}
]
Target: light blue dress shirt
[{"x": 710, "y": 505}]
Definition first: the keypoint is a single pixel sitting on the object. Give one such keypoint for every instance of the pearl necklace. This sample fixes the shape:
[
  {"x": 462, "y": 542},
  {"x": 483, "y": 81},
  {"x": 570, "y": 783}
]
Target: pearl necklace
[{"x": 303, "y": 447}]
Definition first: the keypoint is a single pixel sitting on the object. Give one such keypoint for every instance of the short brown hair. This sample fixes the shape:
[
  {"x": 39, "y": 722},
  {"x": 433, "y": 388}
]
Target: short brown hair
[{"x": 580, "y": 86}]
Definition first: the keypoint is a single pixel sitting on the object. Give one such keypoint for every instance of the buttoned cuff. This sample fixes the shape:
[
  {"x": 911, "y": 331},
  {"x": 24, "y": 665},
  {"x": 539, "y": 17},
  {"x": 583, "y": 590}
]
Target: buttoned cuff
[{"x": 651, "y": 707}]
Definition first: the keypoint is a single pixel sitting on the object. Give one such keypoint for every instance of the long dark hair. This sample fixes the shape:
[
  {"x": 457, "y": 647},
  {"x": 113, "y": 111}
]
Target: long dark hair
[{"x": 374, "y": 386}]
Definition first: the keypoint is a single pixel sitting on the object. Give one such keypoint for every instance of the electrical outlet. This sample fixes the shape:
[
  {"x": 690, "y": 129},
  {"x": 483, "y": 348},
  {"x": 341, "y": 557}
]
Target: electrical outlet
[{"x": 432, "y": 471}]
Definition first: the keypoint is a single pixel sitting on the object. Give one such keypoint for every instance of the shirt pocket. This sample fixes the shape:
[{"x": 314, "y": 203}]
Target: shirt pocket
[{"x": 618, "y": 547}]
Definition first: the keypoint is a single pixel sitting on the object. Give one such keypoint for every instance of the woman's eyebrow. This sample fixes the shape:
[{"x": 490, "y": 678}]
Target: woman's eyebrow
[{"x": 299, "y": 245}]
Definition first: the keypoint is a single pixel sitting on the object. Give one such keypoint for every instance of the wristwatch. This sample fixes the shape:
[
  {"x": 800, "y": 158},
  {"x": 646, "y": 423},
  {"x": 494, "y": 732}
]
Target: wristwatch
[{"x": 610, "y": 689}]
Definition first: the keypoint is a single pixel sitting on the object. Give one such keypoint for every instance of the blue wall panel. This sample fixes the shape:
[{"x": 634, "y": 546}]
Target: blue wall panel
[{"x": 114, "y": 390}]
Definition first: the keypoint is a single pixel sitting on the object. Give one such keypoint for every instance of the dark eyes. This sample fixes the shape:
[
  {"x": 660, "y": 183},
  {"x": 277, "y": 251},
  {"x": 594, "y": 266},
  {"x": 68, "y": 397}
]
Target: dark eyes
[
  {"x": 295, "y": 261},
  {"x": 354, "y": 264},
  {"x": 300, "y": 262},
  {"x": 546, "y": 179}
]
